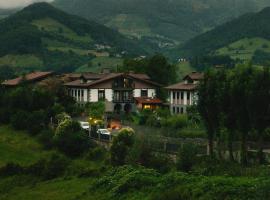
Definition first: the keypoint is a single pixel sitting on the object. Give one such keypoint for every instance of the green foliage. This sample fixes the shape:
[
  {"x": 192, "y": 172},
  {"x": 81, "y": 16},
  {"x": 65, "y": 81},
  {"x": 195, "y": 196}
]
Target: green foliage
[
  {"x": 96, "y": 110},
  {"x": 187, "y": 157},
  {"x": 70, "y": 138},
  {"x": 121, "y": 145},
  {"x": 175, "y": 122},
  {"x": 165, "y": 73}
]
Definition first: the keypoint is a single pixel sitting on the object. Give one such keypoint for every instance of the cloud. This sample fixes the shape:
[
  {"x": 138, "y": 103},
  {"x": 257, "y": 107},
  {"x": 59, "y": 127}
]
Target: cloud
[{"x": 18, "y": 3}]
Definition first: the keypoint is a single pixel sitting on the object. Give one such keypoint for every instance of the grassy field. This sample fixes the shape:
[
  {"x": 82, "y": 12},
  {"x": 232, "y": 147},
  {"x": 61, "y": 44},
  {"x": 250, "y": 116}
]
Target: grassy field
[
  {"x": 99, "y": 63},
  {"x": 51, "y": 25},
  {"x": 21, "y": 61},
  {"x": 18, "y": 147},
  {"x": 244, "y": 49}
]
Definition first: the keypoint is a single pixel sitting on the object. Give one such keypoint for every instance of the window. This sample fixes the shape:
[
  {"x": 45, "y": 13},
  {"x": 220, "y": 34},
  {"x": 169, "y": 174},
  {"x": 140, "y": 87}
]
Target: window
[
  {"x": 173, "y": 95},
  {"x": 82, "y": 93},
  {"x": 182, "y": 95},
  {"x": 178, "y": 95},
  {"x": 182, "y": 110},
  {"x": 178, "y": 110},
  {"x": 101, "y": 95},
  {"x": 173, "y": 109},
  {"x": 79, "y": 93},
  {"x": 75, "y": 93},
  {"x": 144, "y": 93},
  {"x": 188, "y": 95}
]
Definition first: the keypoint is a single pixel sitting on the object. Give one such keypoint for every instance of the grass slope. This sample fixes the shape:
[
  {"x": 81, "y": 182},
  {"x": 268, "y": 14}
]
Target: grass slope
[
  {"x": 244, "y": 49},
  {"x": 18, "y": 147}
]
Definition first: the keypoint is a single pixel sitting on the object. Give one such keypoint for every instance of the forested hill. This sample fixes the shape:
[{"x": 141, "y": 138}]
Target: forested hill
[
  {"x": 44, "y": 36},
  {"x": 162, "y": 22},
  {"x": 232, "y": 36}
]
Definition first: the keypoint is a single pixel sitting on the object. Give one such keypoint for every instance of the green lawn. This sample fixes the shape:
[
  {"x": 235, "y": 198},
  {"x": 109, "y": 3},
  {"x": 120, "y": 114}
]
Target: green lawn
[{"x": 18, "y": 147}]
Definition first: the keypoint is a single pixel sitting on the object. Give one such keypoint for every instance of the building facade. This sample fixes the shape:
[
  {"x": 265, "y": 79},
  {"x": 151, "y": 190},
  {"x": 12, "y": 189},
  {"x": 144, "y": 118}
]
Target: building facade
[
  {"x": 184, "y": 94},
  {"x": 118, "y": 90}
]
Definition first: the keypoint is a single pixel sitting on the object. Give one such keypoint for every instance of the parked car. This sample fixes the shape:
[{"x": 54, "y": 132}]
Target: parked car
[
  {"x": 85, "y": 125},
  {"x": 105, "y": 134}
]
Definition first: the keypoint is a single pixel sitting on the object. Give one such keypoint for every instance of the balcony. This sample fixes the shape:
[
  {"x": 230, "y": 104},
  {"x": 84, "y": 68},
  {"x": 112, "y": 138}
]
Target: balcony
[{"x": 123, "y": 100}]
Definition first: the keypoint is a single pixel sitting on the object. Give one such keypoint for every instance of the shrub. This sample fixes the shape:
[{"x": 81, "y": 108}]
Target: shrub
[
  {"x": 20, "y": 120},
  {"x": 121, "y": 146},
  {"x": 37, "y": 121},
  {"x": 11, "y": 169},
  {"x": 96, "y": 154},
  {"x": 176, "y": 121},
  {"x": 71, "y": 139},
  {"x": 46, "y": 138},
  {"x": 187, "y": 157},
  {"x": 49, "y": 168}
]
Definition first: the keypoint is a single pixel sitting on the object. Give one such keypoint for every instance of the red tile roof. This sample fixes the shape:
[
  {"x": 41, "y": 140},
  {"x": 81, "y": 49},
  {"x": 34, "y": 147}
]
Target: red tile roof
[
  {"x": 147, "y": 100},
  {"x": 182, "y": 86},
  {"x": 29, "y": 78},
  {"x": 142, "y": 77}
]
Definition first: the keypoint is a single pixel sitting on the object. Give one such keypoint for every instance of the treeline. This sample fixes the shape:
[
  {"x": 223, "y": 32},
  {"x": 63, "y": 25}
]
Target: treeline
[
  {"x": 33, "y": 108},
  {"x": 235, "y": 106}
]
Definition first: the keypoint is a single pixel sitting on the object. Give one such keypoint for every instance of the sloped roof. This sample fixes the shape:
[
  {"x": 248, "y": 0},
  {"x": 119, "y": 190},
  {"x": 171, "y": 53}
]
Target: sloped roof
[
  {"x": 141, "y": 77},
  {"x": 182, "y": 86},
  {"x": 29, "y": 78},
  {"x": 195, "y": 76}
]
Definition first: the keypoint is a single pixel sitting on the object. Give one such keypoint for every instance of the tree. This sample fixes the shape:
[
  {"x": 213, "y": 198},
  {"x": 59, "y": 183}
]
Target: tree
[
  {"x": 208, "y": 106},
  {"x": 70, "y": 138},
  {"x": 259, "y": 106},
  {"x": 121, "y": 146}
]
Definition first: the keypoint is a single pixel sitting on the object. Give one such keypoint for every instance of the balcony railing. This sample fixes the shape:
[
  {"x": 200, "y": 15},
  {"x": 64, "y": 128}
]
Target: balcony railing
[{"x": 123, "y": 100}]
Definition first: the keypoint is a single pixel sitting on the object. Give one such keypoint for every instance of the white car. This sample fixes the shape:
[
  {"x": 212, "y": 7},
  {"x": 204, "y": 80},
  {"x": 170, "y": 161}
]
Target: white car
[
  {"x": 104, "y": 135},
  {"x": 85, "y": 125},
  {"x": 104, "y": 132}
]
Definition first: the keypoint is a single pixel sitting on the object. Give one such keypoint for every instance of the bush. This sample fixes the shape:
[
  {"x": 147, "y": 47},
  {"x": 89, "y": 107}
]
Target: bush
[
  {"x": 71, "y": 139},
  {"x": 20, "y": 120},
  {"x": 121, "y": 146},
  {"x": 11, "y": 169},
  {"x": 187, "y": 157},
  {"x": 142, "y": 154},
  {"x": 50, "y": 168},
  {"x": 176, "y": 121},
  {"x": 46, "y": 138},
  {"x": 36, "y": 122},
  {"x": 96, "y": 154}
]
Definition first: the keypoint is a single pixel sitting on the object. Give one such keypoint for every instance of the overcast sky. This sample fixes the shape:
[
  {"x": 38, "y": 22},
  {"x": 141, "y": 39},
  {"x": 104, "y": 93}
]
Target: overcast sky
[{"x": 18, "y": 3}]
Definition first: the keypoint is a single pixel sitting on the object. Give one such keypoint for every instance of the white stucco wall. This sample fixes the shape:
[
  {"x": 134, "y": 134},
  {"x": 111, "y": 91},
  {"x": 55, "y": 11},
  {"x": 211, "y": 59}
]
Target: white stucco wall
[
  {"x": 151, "y": 92},
  {"x": 94, "y": 95},
  {"x": 109, "y": 94},
  {"x": 137, "y": 92}
]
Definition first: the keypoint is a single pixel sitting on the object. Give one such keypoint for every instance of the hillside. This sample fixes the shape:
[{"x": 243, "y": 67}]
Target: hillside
[
  {"x": 43, "y": 37},
  {"x": 162, "y": 23},
  {"x": 242, "y": 38}
]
